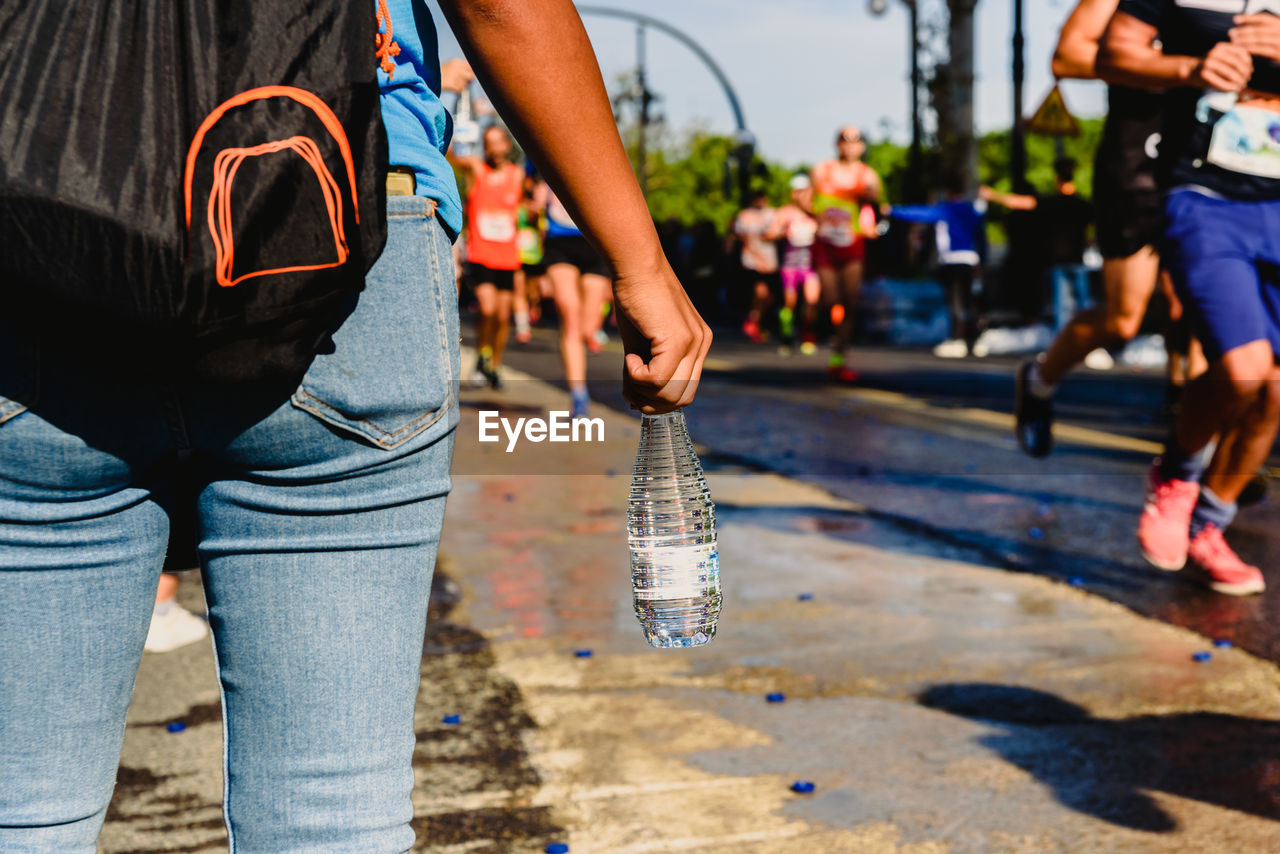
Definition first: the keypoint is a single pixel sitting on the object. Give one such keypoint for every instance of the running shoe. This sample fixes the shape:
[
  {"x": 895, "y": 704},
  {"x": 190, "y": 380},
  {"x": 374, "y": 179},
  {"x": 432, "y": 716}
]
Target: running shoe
[
  {"x": 838, "y": 371},
  {"x": 808, "y": 344},
  {"x": 952, "y": 348},
  {"x": 580, "y": 403},
  {"x": 752, "y": 330},
  {"x": 593, "y": 344},
  {"x": 524, "y": 333},
  {"x": 176, "y": 627},
  {"x": 1099, "y": 360},
  {"x": 479, "y": 377},
  {"x": 1221, "y": 569},
  {"x": 1164, "y": 528},
  {"x": 1033, "y": 415},
  {"x": 493, "y": 376}
]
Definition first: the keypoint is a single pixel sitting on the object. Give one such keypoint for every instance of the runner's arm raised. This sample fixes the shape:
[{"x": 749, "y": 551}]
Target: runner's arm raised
[
  {"x": 1012, "y": 201},
  {"x": 1077, "y": 52},
  {"x": 537, "y": 65},
  {"x": 1128, "y": 56}
]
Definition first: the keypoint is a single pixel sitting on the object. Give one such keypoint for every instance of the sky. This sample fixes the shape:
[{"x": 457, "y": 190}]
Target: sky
[{"x": 802, "y": 68}]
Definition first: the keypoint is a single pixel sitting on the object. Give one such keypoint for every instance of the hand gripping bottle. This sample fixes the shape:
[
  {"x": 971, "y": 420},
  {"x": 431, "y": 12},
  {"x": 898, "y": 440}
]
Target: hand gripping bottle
[{"x": 671, "y": 533}]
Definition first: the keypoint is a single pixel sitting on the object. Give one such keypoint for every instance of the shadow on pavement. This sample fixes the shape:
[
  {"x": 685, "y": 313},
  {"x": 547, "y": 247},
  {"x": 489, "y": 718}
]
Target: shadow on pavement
[{"x": 1105, "y": 768}]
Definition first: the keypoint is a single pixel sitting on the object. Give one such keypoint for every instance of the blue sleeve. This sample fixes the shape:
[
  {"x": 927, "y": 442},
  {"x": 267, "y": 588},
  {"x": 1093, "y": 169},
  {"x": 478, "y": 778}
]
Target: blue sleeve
[{"x": 916, "y": 213}]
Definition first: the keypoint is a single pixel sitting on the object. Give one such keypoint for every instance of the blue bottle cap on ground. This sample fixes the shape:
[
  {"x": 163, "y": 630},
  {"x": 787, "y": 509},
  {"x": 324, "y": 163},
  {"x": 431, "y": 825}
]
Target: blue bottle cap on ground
[
  {"x": 582, "y": 653},
  {"x": 176, "y": 726},
  {"x": 775, "y": 697},
  {"x": 802, "y": 787},
  {"x": 1036, "y": 533},
  {"x": 1201, "y": 656},
  {"x": 557, "y": 848},
  {"x": 805, "y": 597},
  {"x": 1076, "y": 581},
  {"x": 1223, "y": 643},
  {"x": 453, "y": 719}
]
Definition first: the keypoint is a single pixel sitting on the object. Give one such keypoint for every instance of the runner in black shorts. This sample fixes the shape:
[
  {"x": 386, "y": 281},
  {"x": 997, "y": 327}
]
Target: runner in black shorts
[
  {"x": 1129, "y": 226},
  {"x": 575, "y": 251}
]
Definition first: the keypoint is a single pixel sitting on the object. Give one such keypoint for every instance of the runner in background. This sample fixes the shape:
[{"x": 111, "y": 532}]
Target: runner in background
[
  {"x": 580, "y": 279},
  {"x": 842, "y": 197},
  {"x": 528, "y": 295},
  {"x": 799, "y": 279},
  {"x": 757, "y": 231},
  {"x": 1222, "y": 249},
  {"x": 960, "y": 233},
  {"x": 497, "y": 186}
]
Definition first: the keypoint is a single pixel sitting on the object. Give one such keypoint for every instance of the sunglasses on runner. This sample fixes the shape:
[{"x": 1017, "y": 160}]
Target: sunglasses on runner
[{"x": 844, "y": 137}]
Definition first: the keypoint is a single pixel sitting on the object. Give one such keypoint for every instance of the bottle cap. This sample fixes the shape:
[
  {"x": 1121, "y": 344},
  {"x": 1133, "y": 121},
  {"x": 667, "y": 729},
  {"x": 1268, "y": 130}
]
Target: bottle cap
[
  {"x": 805, "y": 597},
  {"x": 176, "y": 726},
  {"x": 582, "y": 653},
  {"x": 1076, "y": 581},
  {"x": 1201, "y": 656},
  {"x": 453, "y": 719},
  {"x": 802, "y": 787},
  {"x": 1223, "y": 643},
  {"x": 775, "y": 697},
  {"x": 557, "y": 848}
]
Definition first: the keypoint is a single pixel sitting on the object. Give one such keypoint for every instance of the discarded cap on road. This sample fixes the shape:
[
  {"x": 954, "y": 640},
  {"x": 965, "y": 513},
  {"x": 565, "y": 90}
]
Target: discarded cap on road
[
  {"x": 775, "y": 697},
  {"x": 802, "y": 787},
  {"x": 453, "y": 719},
  {"x": 1201, "y": 656},
  {"x": 176, "y": 726},
  {"x": 582, "y": 653},
  {"x": 557, "y": 848}
]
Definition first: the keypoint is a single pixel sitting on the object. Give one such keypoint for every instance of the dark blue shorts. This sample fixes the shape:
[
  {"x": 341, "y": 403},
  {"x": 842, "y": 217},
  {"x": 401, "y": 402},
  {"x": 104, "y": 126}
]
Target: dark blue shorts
[{"x": 1224, "y": 257}]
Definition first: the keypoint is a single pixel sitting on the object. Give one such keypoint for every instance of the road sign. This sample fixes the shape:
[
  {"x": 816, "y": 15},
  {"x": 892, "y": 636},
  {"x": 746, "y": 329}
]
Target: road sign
[{"x": 1053, "y": 118}]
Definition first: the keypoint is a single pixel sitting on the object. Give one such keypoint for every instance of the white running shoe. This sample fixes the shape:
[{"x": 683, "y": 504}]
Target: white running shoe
[
  {"x": 952, "y": 348},
  {"x": 1099, "y": 360},
  {"x": 178, "y": 627}
]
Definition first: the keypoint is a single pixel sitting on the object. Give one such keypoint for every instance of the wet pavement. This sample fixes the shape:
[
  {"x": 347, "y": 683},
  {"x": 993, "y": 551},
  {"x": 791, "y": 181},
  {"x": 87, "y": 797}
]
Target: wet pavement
[{"x": 938, "y": 703}]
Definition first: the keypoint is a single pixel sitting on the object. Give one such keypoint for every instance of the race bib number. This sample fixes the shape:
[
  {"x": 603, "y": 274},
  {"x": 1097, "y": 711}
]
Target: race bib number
[
  {"x": 1247, "y": 140},
  {"x": 496, "y": 227},
  {"x": 835, "y": 227}
]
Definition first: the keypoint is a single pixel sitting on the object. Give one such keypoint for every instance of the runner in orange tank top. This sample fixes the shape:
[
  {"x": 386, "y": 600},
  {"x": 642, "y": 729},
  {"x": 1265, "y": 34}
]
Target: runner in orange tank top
[
  {"x": 493, "y": 255},
  {"x": 842, "y": 197}
]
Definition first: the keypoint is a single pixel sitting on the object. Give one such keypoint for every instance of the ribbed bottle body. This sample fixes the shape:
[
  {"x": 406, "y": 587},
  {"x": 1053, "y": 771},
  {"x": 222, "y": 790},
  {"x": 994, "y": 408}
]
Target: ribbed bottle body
[{"x": 671, "y": 534}]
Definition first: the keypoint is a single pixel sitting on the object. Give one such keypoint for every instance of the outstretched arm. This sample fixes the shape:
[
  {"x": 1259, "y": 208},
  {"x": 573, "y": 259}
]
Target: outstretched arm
[
  {"x": 537, "y": 65},
  {"x": 1012, "y": 201}
]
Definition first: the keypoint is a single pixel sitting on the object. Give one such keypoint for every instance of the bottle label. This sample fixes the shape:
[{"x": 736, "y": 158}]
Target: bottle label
[{"x": 679, "y": 572}]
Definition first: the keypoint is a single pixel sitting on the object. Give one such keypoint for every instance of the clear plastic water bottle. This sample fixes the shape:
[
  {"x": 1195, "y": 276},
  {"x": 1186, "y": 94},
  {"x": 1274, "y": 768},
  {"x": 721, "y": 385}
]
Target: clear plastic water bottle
[
  {"x": 466, "y": 130},
  {"x": 671, "y": 533}
]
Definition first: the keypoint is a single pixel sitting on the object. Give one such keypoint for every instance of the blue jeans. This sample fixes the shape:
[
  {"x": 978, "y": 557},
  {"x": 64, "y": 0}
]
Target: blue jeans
[
  {"x": 319, "y": 510},
  {"x": 1071, "y": 292}
]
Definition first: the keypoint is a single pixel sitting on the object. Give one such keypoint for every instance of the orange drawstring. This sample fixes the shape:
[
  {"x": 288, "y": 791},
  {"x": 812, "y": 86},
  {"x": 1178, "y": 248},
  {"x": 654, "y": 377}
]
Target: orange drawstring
[{"x": 386, "y": 47}]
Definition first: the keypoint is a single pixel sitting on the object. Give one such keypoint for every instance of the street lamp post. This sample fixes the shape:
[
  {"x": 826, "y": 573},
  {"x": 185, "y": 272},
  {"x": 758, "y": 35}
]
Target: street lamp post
[
  {"x": 915, "y": 164},
  {"x": 1018, "y": 138}
]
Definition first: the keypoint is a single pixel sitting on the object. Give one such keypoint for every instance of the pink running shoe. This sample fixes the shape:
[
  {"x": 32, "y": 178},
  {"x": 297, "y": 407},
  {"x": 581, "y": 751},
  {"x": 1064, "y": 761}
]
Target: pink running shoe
[
  {"x": 1221, "y": 568},
  {"x": 1164, "y": 528}
]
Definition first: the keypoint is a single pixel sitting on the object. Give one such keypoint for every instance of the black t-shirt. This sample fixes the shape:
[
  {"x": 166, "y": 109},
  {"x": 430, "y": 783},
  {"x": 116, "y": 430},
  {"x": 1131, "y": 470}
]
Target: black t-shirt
[
  {"x": 1208, "y": 141},
  {"x": 1126, "y": 159},
  {"x": 1063, "y": 221}
]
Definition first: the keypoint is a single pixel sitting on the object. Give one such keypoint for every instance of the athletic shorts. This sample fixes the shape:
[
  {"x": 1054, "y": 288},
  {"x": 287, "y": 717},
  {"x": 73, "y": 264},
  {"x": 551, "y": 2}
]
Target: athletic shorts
[
  {"x": 793, "y": 278},
  {"x": 576, "y": 252},
  {"x": 1224, "y": 258},
  {"x": 533, "y": 271},
  {"x": 1127, "y": 219},
  {"x": 479, "y": 274},
  {"x": 838, "y": 257}
]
